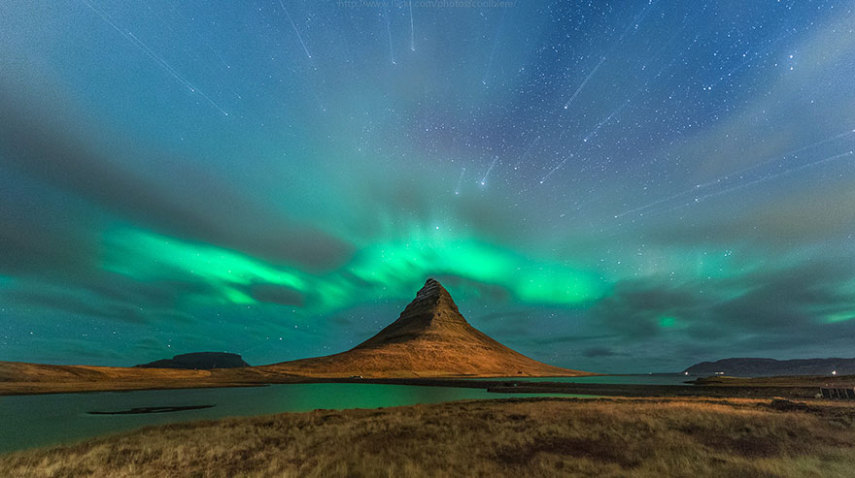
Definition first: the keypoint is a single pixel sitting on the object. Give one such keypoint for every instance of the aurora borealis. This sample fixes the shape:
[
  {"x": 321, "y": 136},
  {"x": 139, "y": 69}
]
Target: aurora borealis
[{"x": 608, "y": 186}]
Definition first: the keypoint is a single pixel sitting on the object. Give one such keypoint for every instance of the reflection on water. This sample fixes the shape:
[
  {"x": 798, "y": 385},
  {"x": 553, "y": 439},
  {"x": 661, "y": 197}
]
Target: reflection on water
[{"x": 38, "y": 420}]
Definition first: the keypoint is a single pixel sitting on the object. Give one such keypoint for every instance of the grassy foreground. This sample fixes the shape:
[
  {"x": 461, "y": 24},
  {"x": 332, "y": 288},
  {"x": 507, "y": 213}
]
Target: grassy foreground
[{"x": 525, "y": 437}]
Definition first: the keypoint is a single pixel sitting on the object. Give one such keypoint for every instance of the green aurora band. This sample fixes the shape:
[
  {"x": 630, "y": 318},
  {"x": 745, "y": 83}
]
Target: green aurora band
[{"x": 389, "y": 270}]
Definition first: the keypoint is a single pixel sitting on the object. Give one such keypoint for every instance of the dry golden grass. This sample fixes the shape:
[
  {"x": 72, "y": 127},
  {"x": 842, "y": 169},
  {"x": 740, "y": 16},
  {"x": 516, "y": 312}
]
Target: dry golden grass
[
  {"x": 30, "y": 378},
  {"x": 782, "y": 381},
  {"x": 527, "y": 437}
]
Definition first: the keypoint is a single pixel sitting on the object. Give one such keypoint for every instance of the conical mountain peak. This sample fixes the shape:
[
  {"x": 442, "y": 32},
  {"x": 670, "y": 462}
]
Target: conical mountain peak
[
  {"x": 431, "y": 290},
  {"x": 429, "y": 302},
  {"x": 429, "y": 339},
  {"x": 431, "y": 315}
]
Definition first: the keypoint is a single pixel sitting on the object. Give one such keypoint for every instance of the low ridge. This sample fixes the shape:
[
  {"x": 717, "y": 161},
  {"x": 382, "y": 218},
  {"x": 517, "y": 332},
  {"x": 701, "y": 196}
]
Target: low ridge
[
  {"x": 766, "y": 367},
  {"x": 429, "y": 339},
  {"x": 199, "y": 361}
]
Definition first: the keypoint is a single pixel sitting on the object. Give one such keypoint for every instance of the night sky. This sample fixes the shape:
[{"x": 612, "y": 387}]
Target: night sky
[{"x": 624, "y": 186}]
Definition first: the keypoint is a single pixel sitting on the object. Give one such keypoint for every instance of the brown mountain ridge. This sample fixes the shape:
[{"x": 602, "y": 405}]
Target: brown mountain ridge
[{"x": 430, "y": 339}]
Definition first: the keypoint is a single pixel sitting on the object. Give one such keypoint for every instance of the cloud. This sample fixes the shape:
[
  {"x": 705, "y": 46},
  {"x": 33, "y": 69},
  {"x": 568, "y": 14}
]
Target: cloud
[
  {"x": 42, "y": 232},
  {"x": 27, "y": 247},
  {"x": 814, "y": 209},
  {"x": 602, "y": 352},
  {"x": 792, "y": 298},
  {"x": 54, "y": 145},
  {"x": 637, "y": 307},
  {"x": 570, "y": 338},
  {"x": 786, "y": 117},
  {"x": 68, "y": 304},
  {"x": 81, "y": 302},
  {"x": 780, "y": 305},
  {"x": 276, "y": 294}
]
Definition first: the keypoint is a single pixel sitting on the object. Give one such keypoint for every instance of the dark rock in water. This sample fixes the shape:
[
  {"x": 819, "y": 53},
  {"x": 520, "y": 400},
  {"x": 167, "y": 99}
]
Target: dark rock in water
[
  {"x": 764, "y": 367},
  {"x": 199, "y": 361},
  {"x": 144, "y": 410}
]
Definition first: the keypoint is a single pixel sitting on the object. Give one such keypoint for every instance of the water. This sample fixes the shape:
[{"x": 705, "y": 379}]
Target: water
[
  {"x": 639, "y": 379},
  {"x": 28, "y": 421}
]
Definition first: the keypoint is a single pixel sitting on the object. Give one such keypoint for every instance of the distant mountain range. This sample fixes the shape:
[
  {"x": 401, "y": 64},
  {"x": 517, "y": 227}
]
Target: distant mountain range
[
  {"x": 199, "y": 361},
  {"x": 430, "y": 339},
  {"x": 764, "y": 367}
]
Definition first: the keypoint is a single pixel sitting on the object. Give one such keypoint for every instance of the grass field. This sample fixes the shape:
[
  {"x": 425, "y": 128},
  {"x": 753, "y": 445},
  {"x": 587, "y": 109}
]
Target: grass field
[{"x": 525, "y": 437}]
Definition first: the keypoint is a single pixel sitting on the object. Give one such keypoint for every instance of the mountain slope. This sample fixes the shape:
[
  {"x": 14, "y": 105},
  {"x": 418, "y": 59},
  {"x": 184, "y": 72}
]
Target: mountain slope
[{"x": 430, "y": 339}]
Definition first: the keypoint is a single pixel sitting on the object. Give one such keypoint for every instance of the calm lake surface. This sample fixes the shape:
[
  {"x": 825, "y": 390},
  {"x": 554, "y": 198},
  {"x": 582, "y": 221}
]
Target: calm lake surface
[
  {"x": 645, "y": 379},
  {"x": 28, "y": 421}
]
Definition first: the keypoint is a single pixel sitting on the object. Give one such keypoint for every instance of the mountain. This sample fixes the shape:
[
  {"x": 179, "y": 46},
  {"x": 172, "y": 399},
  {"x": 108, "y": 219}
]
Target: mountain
[
  {"x": 430, "y": 339},
  {"x": 760, "y": 367},
  {"x": 199, "y": 361}
]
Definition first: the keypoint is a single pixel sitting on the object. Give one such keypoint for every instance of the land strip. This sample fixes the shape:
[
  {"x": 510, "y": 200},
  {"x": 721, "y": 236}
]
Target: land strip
[{"x": 518, "y": 437}]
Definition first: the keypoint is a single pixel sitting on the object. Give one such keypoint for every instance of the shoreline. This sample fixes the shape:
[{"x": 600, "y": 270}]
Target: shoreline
[
  {"x": 19, "y": 378},
  {"x": 795, "y": 389}
]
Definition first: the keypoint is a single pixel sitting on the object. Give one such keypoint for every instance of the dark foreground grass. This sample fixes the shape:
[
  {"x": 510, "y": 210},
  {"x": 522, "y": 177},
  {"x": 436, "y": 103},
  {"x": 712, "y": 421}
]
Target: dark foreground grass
[{"x": 525, "y": 437}]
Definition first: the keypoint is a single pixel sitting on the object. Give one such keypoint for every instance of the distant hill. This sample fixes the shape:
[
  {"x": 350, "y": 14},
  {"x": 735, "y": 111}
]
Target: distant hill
[
  {"x": 764, "y": 367},
  {"x": 430, "y": 339},
  {"x": 199, "y": 361}
]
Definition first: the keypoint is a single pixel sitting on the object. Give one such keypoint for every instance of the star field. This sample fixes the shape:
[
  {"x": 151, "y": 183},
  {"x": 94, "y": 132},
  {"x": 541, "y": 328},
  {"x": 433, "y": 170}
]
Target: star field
[{"x": 609, "y": 186}]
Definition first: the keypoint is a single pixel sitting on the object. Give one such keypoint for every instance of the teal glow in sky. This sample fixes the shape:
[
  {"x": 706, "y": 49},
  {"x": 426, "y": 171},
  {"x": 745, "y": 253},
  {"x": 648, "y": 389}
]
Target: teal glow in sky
[{"x": 610, "y": 186}]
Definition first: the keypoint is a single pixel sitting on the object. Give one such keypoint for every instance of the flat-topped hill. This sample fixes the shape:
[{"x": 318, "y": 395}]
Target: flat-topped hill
[{"x": 199, "y": 361}]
